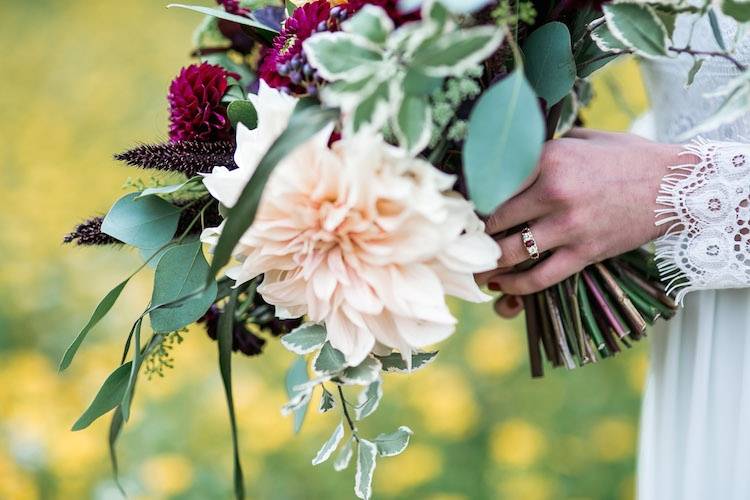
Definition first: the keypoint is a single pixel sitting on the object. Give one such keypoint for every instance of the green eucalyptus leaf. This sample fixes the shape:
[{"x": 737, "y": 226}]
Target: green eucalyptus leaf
[
  {"x": 503, "y": 143},
  {"x": 224, "y": 341},
  {"x": 330, "y": 445},
  {"x": 550, "y": 67},
  {"x": 109, "y": 396},
  {"x": 329, "y": 360},
  {"x": 390, "y": 445},
  {"x": 115, "y": 427},
  {"x": 181, "y": 270},
  {"x": 172, "y": 189},
  {"x": 144, "y": 222},
  {"x": 638, "y": 27},
  {"x": 306, "y": 339},
  {"x": 453, "y": 53},
  {"x": 369, "y": 400},
  {"x": 371, "y": 22},
  {"x": 305, "y": 122},
  {"x": 222, "y": 14},
  {"x": 568, "y": 114},
  {"x": 342, "y": 56},
  {"x": 127, "y": 397},
  {"x": 242, "y": 112},
  {"x": 101, "y": 310},
  {"x": 367, "y": 453},
  {"x": 295, "y": 376},
  {"x": 395, "y": 363}
]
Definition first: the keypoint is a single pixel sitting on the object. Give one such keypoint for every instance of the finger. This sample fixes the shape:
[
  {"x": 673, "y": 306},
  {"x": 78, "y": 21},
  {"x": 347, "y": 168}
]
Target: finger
[
  {"x": 508, "y": 306},
  {"x": 548, "y": 234},
  {"x": 518, "y": 210},
  {"x": 562, "y": 264}
]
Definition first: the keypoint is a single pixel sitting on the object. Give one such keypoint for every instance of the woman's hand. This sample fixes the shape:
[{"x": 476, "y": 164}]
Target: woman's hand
[{"x": 593, "y": 197}]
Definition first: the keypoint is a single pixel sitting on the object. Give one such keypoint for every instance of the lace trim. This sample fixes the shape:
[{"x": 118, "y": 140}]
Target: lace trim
[{"x": 707, "y": 204}]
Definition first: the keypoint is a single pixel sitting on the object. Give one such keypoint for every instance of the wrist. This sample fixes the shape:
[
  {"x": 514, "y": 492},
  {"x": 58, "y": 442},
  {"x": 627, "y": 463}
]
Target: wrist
[{"x": 667, "y": 156}]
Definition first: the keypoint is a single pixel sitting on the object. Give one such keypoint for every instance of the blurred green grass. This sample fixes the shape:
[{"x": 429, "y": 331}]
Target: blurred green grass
[{"x": 82, "y": 80}]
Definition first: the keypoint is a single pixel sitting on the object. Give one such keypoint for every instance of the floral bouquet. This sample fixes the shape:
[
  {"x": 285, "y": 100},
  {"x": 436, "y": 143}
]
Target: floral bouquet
[{"x": 335, "y": 160}]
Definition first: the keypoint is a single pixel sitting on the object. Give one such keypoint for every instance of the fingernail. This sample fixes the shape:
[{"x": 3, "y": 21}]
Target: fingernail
[{"x": 494, "y": 286}]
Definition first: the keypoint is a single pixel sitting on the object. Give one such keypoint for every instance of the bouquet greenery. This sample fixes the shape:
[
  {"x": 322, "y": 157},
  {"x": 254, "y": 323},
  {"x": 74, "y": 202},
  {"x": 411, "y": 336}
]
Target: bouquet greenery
[{"x": 338, "y": 156}]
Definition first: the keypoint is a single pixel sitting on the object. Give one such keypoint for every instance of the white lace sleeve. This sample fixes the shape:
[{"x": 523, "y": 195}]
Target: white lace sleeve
[{"x": 707, "y": 204}]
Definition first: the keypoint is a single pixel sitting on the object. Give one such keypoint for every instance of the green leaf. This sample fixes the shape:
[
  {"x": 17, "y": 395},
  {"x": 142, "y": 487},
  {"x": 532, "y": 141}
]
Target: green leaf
[
  {"x": 369, "y": 400},
  {"x": 365, "y": 373},
  {"x": 108, "y": 397},
  {"x": 414, "y": 124},
  {"x": 327, "y": 403},
  {"x": 452, "y": 54},
  {"x": 606, "y": 41},
  {"x": 305, "y": 339},
  {"x": 226, "y": 323},
  {"x": 222, "y": 14},
  {"x": 181, "y": 270},
  {"x": 297, "y": 375},
  {"x": 373, "y": 109},
  {"x": 329, "y": 360},
  {"x": 370, "y": 22},
  {"x": 390, "y": 445},
  {"x": 503, "y": 143},
  {"x": 174, "y": 188},
  {"x": 395, "y": 363},
  {"x": 592, "y": 58},
  {"x": 697, "y": 65},
  {"x": 417, "y": 83},
  {"x": 638, "y": 27},
  {"x": 101, "y": 310},
  {"x": 344, "y": 456},
  {"x": 242, "y": 112},
  {"x": 127, "y": 397},
  {"x": 144, "y": 222},
  {"x": 330, "y": 445},
  {"x": 737, "y": 9},
  {"x": 367, "y": 453},
  {"x": 342, "y": 56},
  {"x": 550, "y": 67},
  {"x": 290, "y": 8},
  {"x": 568, "y": 114},
  {"x": 305, "y": 122},
  {"x": 115, "y": 427},
  {"x": 716, "y": 30}
]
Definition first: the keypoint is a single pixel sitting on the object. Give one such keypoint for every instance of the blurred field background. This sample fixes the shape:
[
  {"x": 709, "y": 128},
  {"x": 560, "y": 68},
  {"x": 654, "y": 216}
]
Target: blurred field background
[{"x": 82, "y": 80}]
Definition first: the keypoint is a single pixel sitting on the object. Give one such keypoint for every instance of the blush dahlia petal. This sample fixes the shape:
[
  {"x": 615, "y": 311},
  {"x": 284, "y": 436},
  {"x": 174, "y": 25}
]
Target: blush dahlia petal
[{"x": 357, "y": 236}]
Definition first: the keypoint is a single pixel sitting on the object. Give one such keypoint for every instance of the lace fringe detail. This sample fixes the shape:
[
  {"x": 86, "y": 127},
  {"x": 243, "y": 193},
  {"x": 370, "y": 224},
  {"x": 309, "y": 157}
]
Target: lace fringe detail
[{"x": 672, "y": 275}]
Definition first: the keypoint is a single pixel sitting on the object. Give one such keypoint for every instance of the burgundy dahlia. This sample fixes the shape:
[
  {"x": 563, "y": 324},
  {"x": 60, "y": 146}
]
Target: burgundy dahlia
[{"x": 196, "y": 112}]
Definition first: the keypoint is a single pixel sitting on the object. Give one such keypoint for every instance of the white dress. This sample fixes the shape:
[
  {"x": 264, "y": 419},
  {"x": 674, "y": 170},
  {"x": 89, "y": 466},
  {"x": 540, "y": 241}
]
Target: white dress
[{"x": 695, "y": 424}]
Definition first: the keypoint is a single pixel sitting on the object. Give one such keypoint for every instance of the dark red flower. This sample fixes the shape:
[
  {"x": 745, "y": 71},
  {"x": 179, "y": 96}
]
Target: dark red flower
[
  {"x": 390, "y": 6},
  {"x": 285, "y": 65},
  {"x": 232, "y": 6},
  {"x": 196, "y": 112}
]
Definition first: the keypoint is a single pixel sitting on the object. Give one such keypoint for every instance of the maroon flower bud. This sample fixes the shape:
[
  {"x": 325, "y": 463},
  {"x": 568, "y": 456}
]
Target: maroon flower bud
[{"x": 196, "y": 112}]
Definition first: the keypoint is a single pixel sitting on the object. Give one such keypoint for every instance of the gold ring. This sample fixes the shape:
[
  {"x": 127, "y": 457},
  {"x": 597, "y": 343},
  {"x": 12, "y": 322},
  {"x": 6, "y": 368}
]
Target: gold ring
[{"x": 530, "y": 243}]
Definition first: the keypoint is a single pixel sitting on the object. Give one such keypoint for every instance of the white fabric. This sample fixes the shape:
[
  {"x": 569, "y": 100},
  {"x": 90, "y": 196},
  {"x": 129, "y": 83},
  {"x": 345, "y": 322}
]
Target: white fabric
[{"x": 695, "y": 425}]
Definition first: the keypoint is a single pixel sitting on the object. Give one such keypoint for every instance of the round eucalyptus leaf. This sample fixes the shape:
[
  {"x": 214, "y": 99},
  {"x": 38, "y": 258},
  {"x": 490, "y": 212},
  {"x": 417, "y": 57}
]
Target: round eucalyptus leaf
[
  {"x": 504, "y": 142},
  {"x": 550, "y": 67},
  {"x": 142, "y": 221}
]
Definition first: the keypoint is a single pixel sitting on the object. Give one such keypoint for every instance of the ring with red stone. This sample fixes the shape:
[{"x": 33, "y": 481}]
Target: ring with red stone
[{"x": 530, "y": 243}]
